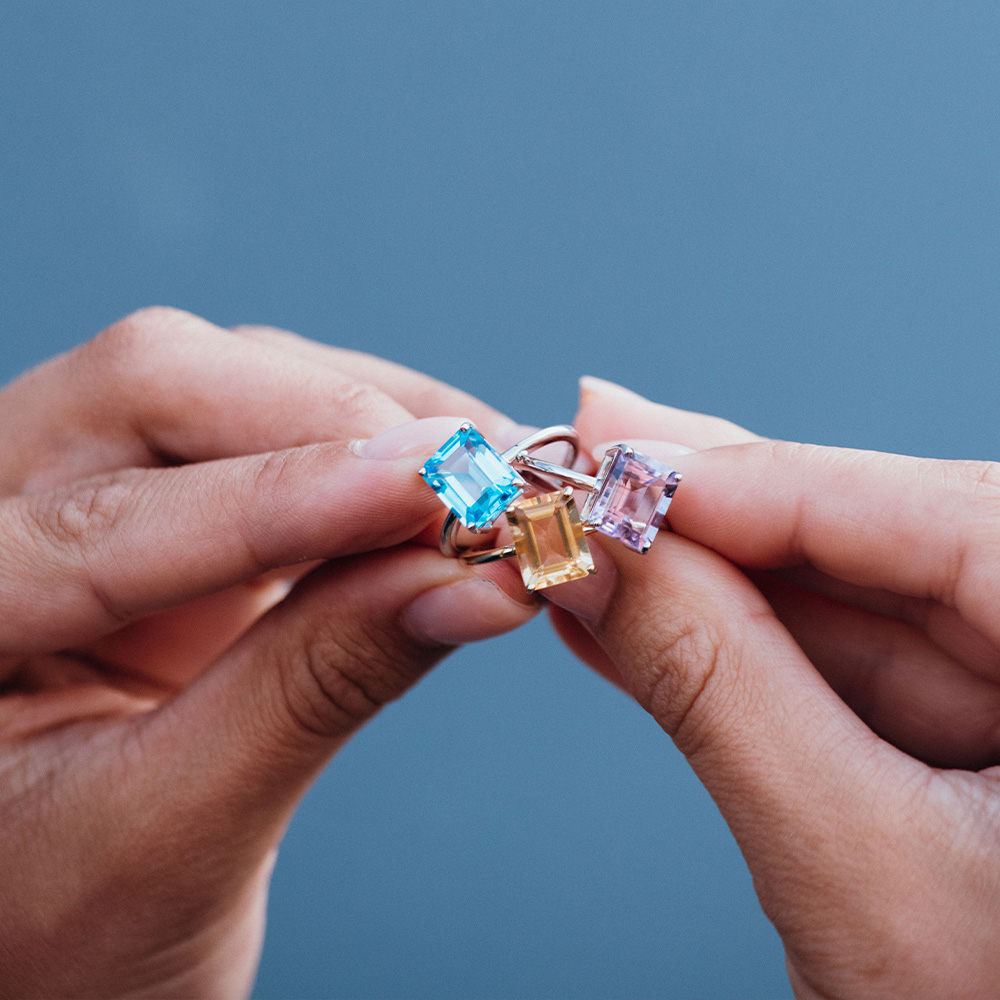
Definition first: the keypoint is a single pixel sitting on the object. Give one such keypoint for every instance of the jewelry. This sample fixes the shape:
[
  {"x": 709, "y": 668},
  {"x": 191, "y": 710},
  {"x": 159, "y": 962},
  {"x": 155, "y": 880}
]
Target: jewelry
[
  {"x": 549, "y": 541},
  {"x": 477, "y": 483},
  {"x": 628, "y": 498}
]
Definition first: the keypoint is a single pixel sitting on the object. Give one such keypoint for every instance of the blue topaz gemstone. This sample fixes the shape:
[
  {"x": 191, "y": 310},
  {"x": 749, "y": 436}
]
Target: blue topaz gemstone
[{"x": 472, "y": 479}]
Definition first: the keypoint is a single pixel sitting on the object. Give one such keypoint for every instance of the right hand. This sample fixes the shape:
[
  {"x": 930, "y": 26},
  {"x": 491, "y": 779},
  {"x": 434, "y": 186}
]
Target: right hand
[{"x": 821, "y": 639}]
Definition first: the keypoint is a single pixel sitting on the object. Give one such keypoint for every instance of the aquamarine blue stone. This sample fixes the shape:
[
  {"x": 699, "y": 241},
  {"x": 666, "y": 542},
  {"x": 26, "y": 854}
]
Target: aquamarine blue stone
[{"x": 472, "y": 479}]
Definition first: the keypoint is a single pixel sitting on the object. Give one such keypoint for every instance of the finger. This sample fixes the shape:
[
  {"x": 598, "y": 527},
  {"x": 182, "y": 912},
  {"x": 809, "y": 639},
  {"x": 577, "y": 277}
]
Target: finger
[
  {"x": 248, "y": 735},
  {"x": 916, "y": 527},
  {"x": 420, "y": 394},
  {"x": 78, "y": 562},
  {"x": 900, "y": 683},
  {"x": 163, "y": 385},
  {"x": 609, "y": 412},
  {"x": 860, "y": 517},
  {"x": 943, "y": 626},
  {"x": 698, "y": 646}
]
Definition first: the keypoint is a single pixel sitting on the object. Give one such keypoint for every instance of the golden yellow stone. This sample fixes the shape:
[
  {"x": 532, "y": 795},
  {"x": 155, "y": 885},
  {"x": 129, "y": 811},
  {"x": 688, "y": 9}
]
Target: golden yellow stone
[{"x": 549, "y": 541}]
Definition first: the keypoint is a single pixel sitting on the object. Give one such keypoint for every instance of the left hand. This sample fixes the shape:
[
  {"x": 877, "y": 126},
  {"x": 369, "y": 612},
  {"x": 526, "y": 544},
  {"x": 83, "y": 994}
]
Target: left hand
[{"x": 163, "y": 703}]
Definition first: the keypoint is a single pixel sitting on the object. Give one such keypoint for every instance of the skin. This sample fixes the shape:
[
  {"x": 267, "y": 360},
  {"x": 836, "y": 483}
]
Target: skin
[
  {"x": 199, "y": 611},
  {"x": 205, "y": 590},
  {"x": 821, "y": 638}
]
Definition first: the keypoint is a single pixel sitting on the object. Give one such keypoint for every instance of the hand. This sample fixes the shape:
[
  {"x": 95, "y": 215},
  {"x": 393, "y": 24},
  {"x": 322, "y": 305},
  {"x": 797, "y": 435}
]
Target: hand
[
  {"x": 821, "y": 638},
  {"x": 163, "y": 703}
]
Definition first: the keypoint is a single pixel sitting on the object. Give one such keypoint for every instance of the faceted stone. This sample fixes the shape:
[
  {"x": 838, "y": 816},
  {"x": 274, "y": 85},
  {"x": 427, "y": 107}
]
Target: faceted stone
[
  {"x": 632, "y": 497},
  {"x": 549, "y": 541},
  {"x": 472, "y": 479}
]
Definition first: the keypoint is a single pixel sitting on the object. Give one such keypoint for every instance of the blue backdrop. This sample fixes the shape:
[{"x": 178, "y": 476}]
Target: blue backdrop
[{"x": 783, "y": 212}]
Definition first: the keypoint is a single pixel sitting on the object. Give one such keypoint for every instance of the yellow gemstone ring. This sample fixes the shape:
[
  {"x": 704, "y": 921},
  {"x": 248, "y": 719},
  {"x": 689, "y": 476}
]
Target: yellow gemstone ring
[{"x": 549, "y": 541}]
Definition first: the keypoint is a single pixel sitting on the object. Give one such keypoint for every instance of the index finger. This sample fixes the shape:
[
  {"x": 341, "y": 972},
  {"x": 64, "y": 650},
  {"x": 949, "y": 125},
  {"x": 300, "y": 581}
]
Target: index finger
[
  {"x": 919, "y": 527},
  {"x": 81, "y": 561}
]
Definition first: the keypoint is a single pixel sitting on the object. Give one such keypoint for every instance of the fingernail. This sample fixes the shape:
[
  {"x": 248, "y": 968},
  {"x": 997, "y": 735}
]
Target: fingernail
[
  {"x": 588, "y": 598},
  {"x": 662, "y": 450},
  {"x": 418, "y": 437},
  {"x": 464, "y": 612}
]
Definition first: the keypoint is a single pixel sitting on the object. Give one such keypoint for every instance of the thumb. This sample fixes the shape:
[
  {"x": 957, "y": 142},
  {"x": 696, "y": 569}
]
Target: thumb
[
  {"x": 698, "y": 646},
  {"x": 786, "y": 761},
  {"x": 248, "y": 736}
]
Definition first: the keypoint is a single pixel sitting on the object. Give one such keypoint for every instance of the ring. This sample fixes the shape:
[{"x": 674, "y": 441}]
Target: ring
[
  {"x": 560, "y": 433},
  {"x": 564, "y": 433},
  {"x": 549, "y": 541},
  {"x": 477, "y": 483},
  {"x": 627, "y": 499}
]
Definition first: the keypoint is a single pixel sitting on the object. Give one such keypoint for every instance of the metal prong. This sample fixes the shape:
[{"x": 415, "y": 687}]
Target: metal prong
[
  {"x": 645, "y": 548},
  {"x": 591, "y": 570},
  {"x": 421, "y": 471},
  {"x": 629, "y": 451},
  {"x": 466, "y": 425},
  {"x": 567, "y": 492},
  {"x": 678, "y": 476}
]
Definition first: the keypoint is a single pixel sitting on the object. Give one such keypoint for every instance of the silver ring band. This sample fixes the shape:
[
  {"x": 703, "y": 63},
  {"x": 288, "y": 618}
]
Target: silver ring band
[{"x": 566, "y": 477}]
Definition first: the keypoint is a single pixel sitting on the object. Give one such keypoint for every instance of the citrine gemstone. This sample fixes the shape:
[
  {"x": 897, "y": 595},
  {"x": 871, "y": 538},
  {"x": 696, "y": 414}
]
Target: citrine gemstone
[
  {"x": 549, "y": 540},
  {"x": 472, "y": 479},
  {"x": 632, "y": 497}
]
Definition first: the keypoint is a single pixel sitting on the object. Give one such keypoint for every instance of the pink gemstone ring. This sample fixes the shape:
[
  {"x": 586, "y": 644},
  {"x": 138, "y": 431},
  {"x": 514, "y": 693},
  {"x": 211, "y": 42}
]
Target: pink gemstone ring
[{"x": 628, "y": 498}]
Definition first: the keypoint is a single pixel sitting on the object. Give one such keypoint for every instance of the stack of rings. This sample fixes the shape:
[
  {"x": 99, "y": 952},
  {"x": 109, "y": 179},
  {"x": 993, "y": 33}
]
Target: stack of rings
[{"x": 627, "y": 500}]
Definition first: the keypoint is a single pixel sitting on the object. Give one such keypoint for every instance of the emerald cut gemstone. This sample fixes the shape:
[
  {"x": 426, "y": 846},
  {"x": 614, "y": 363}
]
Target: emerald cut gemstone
[
  {"x": 549, "y": 540},
  {"x": 632, "y": 497},
  {"x": 472, "y": 479}
]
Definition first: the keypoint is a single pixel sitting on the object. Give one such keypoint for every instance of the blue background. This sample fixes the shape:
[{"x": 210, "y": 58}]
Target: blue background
[{"x": 786, "y": 213}]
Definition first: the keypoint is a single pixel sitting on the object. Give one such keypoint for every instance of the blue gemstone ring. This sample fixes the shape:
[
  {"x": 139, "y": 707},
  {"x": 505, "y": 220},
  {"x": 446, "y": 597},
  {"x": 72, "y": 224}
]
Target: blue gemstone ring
[{"x": 477, "y": 483}]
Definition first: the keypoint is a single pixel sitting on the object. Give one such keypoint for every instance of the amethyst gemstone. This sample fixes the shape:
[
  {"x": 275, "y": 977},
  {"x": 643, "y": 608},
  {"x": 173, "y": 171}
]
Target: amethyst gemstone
[{"x": 632, "y": 497}]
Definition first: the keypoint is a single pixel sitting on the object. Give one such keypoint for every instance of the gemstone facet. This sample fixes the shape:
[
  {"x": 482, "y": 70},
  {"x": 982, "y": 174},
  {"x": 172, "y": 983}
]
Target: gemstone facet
[
  {"x": 632, "y": 497},
  {"x": 472, "y": 479},
  {"x": 549, "y": 541}
]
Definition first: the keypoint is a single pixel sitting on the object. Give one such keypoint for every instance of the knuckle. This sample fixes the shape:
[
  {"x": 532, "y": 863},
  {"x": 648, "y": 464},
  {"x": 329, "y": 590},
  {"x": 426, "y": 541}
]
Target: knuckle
[
  {"x": 279, "y": 469},
  {"x": 132, "y": 342},
  {"x": 138, "y": 331},
  {"x": 358, "y": 401},
  {"x": 681, "y": 679},
  {"x": 82, "y": 516},
  {"x": 343, "y": 677},
  {"x": 76, "y": 525}
]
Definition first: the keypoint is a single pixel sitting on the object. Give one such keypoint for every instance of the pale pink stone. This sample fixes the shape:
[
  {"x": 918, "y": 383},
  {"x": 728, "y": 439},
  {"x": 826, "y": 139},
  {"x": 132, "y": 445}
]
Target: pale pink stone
[{"x": 633, "y": 494}]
